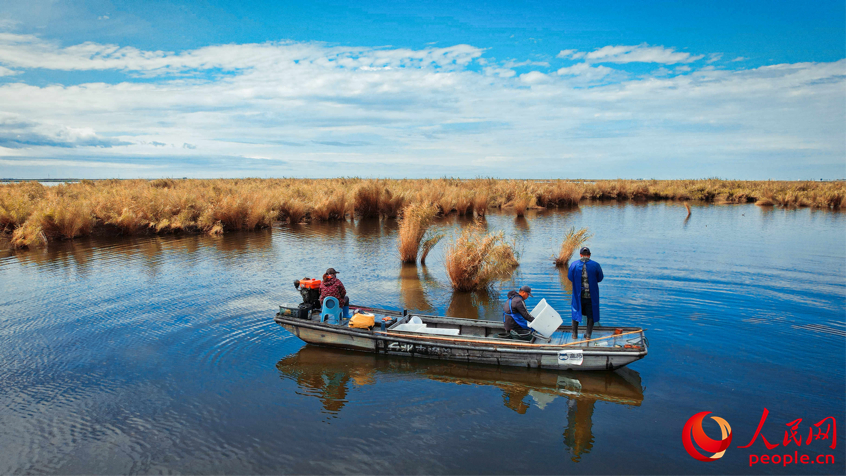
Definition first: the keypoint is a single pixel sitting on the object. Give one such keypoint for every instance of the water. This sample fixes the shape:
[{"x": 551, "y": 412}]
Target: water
[{"x": 159, "y": 355}]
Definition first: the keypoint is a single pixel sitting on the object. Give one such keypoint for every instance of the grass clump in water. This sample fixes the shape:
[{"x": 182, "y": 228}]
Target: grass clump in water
[
  {"x": 572, "y": 240},
  {"x": 429, "y": 243},
  {"x": 477, "y": 259},
  {"x": 415, "y": 220}
]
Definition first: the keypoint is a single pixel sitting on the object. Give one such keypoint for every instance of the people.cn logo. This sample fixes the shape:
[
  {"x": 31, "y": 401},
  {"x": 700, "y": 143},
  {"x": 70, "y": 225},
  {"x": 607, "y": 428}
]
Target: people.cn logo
[{"x": 693, "y": 432}]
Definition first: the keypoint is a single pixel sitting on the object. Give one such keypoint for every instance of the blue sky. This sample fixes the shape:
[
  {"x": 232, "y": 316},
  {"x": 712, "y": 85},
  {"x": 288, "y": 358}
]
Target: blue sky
[{"x": 747, "y": 90}]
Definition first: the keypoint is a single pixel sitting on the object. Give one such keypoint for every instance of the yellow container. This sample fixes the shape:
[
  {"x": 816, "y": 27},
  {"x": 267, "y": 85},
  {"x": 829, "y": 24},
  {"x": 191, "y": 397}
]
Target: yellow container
[{"x": 362, "y": 321}]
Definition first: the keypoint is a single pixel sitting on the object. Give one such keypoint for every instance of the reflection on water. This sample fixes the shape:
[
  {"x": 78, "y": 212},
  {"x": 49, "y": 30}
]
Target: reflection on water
[
  {"x": 566, "y": 285},
  {"x": 411, "y": 289},
  {"x": 157, "y": 354},
  {"x": 482, "y": 304},
  {"x": 329, "y": 374}
]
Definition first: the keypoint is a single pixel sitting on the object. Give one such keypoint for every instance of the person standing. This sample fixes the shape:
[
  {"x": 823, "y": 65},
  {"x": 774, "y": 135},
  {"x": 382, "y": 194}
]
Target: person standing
[{"x": 585, "y": 275}]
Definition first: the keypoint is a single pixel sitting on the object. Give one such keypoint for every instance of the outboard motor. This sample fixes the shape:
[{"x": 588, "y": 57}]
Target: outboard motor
[{"x": 310, "y": 291}]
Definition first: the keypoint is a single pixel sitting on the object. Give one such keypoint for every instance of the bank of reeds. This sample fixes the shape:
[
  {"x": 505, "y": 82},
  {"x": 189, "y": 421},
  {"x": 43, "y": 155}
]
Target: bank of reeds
[
  {"x": 572, "y": 240},
  {"x": 34, "y": 214},
  {"x": 413, "y": 224},
  {"x": 475, "y": 259}
]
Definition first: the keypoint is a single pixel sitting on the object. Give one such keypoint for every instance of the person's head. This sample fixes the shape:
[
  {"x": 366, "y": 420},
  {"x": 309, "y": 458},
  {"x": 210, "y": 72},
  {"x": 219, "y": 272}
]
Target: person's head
[
  {"x": 525, "y": 292},
  {"x": 329, "y": 274},
  {"x": 584, "y": 252}
]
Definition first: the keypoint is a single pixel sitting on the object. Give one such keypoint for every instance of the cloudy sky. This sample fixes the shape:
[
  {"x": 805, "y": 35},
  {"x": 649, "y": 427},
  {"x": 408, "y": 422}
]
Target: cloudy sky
[{"x": 658, "y": 89}]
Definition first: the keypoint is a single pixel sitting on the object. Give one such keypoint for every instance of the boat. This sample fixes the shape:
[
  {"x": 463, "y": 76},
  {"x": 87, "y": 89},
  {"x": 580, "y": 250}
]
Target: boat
[{"x": 404, "y": 333}]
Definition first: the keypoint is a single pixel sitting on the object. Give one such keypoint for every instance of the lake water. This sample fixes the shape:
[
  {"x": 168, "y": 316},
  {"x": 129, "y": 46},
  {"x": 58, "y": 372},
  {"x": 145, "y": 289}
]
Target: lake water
[{"x": 160, "y": 355}]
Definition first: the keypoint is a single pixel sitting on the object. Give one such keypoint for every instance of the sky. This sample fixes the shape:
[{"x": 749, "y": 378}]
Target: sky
[{"x": 626, "y": 89}]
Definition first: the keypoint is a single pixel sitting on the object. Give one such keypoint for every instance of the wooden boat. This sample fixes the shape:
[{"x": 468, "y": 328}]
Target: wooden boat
[{"x": 472, "y": 340}]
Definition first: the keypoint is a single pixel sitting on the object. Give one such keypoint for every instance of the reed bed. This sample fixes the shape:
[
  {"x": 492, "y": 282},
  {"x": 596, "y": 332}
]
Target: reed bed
[
  {"x": 475, "y": 259},
  {"x": 32, "y": 214},
  {"x": 572, "y": 240}
]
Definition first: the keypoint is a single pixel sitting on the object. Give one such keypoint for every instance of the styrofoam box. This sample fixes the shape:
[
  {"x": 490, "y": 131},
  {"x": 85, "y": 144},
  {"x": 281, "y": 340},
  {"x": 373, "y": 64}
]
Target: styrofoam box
[
  {"x": 409, "y": 327},
  {"x": 435, "y": 330},
  {"x": 547, "y": 320},
  {"x": 421, "y": 328}
]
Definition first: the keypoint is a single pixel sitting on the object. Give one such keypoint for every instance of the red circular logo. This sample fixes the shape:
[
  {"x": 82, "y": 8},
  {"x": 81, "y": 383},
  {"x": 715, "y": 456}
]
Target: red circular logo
[{"x": 693, "y": 432}]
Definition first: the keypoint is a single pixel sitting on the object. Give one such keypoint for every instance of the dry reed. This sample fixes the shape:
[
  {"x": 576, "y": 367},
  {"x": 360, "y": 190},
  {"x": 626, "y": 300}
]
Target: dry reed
[
  {"x": 429, "y": 243},
  {"x": 572, "y": 240},
  {"x": 475, "y": 260},
  {"x": 687, "y": 207},
  {"x": 415, "y": 220},
  {"x": 33, "y": 214}
]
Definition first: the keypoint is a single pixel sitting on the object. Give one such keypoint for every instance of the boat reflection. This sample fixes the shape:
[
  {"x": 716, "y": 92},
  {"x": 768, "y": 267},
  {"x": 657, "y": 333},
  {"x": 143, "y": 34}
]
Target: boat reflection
[{"x": 328, "y": 373}]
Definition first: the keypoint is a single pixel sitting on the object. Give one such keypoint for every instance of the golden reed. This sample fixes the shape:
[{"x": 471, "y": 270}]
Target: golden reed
[{"x": 31, "y": 214}]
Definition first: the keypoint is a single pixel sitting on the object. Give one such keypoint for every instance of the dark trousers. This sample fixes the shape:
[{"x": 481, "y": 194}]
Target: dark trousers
[{"x": 587, "y": 314}]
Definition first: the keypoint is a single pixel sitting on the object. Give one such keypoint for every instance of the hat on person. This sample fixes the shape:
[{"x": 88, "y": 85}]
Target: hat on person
[
  {"x": 585, "y": 251},
  {"x": 331, "y": 271},
  {"x": 527, "y": 290}
]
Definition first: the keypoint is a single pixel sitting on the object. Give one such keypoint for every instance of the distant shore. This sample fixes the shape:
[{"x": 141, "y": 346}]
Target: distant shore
[{"x": 32, "y": 214}]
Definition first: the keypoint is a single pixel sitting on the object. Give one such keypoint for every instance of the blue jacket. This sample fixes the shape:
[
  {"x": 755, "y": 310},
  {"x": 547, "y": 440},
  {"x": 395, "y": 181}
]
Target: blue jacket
[
  {"x": 516, "y": 308},
  {"x": 595, "y": 276}
]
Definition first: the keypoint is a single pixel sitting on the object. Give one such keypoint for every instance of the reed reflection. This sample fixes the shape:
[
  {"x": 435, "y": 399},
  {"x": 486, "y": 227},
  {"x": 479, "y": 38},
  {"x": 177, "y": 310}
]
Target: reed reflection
[
  {"x": 80, "y": 253},
  {"x": 566, "y": 285},
  {"x": 482, "y": 304},
  {"x": 71, "y": 255},
  {"x": 329, "y": 374},
  {"x": 412, "y": 293}
]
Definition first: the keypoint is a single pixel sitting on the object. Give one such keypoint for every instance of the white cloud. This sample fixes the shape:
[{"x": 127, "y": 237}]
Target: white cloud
[
  {"x": 379, "y": 111},
  {"x": 714, "y": 57},
  {"x": 17, "y": 132},
  {"x": 642, "y": 53},
  {"x": 8, "y": 72},
  {"x": 585, "y": 71},
  {"x": 27, "y": 51},
  {"x": 515, "y": 64},
  {"x": 534, "y": 77}
]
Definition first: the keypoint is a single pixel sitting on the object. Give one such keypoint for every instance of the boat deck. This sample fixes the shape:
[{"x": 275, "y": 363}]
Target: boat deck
[{"x": 491, "y": 330}]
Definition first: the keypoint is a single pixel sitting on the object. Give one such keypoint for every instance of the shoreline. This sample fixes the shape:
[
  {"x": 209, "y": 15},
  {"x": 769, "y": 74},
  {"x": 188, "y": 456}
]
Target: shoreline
[{"x": 32, "y": 214}]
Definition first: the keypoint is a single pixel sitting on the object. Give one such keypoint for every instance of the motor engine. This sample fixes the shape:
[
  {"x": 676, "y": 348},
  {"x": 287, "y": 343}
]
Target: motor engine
[{"x": 310, "y": 291}]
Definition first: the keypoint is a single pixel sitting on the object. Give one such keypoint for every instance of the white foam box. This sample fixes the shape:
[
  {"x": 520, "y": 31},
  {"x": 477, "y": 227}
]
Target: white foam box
[
  {"x": 409, "y": 327},
  {"x": 547, "y": 320}
]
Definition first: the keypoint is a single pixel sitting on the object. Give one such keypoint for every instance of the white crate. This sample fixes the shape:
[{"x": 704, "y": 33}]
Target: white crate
[{"x": 547, "y": 320}]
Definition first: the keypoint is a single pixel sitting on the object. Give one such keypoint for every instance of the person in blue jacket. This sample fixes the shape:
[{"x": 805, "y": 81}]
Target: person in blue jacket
[{"x": 585, "y": 275}]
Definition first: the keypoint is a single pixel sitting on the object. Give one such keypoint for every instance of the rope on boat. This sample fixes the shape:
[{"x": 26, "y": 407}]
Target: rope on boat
[{"x": 520, "y": 344}]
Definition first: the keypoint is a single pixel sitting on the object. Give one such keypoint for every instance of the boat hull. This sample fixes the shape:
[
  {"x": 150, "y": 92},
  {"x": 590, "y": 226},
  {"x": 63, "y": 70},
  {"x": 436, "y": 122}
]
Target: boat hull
[{"x": 478, "y": 350}]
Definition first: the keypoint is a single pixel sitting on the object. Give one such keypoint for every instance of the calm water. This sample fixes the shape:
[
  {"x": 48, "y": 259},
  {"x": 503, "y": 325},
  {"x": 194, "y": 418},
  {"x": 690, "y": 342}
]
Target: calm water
[{"x": 160, "y": 355}]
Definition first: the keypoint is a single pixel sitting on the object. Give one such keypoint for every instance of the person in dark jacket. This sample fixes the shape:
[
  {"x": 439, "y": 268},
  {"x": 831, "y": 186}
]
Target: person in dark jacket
[
  {"x": 514, "y": 313},
  {"x": 585, "y": 275},
  {"x": 332, "y": 286}
]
